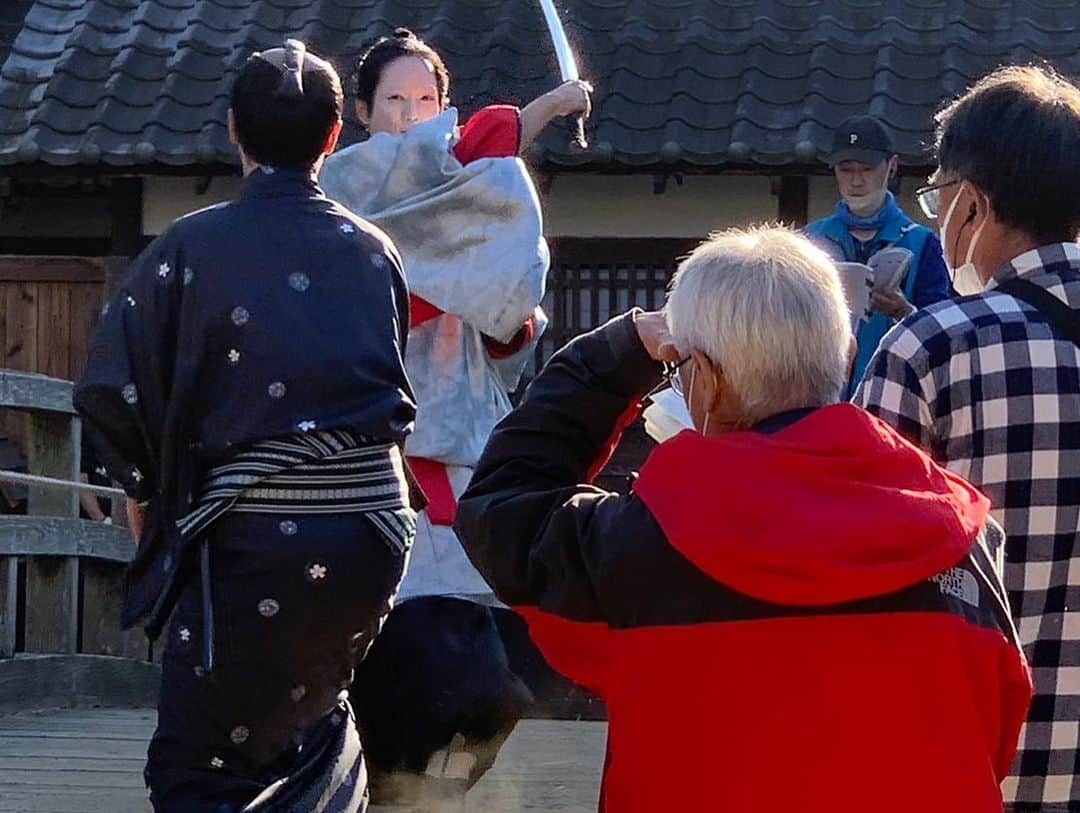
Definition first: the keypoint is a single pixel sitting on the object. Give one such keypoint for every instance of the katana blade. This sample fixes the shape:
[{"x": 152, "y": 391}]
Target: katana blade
[{"x": 567, "y": 63}]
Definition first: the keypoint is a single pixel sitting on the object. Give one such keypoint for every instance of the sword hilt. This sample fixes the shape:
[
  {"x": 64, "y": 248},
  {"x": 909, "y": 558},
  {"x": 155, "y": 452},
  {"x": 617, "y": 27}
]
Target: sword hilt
[{"x": 577, "y": 133}]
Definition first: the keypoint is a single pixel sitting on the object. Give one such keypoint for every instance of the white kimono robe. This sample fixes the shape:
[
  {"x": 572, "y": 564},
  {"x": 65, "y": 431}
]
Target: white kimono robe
[{"x": 471, "y": 240}]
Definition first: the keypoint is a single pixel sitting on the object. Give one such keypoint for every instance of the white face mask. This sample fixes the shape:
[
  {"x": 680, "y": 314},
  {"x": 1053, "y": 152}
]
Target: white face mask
[
  {"x": 965, "y": 279},
  {"x": 690, "y": 402},
  {"x": 868, "y": 204}
]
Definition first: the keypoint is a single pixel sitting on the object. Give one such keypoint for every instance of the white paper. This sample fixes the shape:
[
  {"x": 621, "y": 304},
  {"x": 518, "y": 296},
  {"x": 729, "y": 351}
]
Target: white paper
[
  {"x": 666, "y": 416},
  {"x": 889, "y": 266},
  {"x": 857, "y": 280}
]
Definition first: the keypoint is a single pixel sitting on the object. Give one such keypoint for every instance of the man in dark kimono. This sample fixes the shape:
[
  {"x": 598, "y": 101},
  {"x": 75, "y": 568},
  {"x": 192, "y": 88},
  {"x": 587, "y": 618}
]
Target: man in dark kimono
[{"x": 246, "y": 387}]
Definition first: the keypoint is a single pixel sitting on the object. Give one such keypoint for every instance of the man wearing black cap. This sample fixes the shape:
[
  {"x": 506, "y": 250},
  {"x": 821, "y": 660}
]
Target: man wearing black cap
[{"x": 867, "y": 221}]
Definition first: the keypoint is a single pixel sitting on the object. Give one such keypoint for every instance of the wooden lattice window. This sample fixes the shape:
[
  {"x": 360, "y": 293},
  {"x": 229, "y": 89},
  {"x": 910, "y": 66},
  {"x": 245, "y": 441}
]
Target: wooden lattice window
[{"x": 593, "y": 279}]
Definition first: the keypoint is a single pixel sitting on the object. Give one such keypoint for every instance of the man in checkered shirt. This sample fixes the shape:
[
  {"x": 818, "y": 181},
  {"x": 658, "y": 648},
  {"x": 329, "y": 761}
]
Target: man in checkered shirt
[{"x": 990, "y": 384}]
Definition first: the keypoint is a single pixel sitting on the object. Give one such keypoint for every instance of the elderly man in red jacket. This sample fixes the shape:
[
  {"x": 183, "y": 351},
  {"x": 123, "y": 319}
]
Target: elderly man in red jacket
[{"x": 795, "y": 609}]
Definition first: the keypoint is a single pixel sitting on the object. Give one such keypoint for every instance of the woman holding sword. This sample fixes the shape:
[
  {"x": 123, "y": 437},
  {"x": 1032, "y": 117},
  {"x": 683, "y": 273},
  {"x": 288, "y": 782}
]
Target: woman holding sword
[{"x": 452, "y": 671}]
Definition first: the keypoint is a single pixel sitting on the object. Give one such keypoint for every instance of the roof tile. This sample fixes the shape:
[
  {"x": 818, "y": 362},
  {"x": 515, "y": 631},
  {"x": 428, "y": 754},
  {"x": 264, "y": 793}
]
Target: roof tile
[{"x": 137, "y": 82}]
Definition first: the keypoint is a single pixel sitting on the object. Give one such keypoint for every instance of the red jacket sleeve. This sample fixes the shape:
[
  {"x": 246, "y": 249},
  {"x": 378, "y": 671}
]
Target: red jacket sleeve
[{"x": 493, "y": 132}]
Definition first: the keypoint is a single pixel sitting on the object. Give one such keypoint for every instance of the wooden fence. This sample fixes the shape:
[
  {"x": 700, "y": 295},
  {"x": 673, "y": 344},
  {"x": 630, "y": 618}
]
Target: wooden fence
[
  {"x": 60, "y": 576},
  {"x": 48, "y": 307}
]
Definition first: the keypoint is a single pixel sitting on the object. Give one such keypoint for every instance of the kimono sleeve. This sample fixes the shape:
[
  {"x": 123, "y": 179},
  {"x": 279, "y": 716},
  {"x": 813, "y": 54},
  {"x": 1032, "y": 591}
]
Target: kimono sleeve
[
  {"x": 493, "y": 132},
  {"x": 510, "y": 359},
  {"x": 122, "y": 394}
]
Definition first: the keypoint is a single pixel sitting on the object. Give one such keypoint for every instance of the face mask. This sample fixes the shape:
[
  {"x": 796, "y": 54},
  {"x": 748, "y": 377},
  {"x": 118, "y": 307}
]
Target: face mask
[
  {"x": 868, "y": 204},
  {"x": 690, "y": 402},
  {"x": 965, "y": 279}
]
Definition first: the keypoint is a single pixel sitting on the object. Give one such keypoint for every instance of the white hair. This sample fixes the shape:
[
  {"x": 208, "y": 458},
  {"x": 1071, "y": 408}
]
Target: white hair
[{"x": 767, "y": 308}]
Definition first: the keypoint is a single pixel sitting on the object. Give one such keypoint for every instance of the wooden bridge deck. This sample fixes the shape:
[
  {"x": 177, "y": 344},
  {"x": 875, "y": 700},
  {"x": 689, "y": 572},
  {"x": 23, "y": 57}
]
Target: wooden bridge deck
[{"x": 90, "y": 761}]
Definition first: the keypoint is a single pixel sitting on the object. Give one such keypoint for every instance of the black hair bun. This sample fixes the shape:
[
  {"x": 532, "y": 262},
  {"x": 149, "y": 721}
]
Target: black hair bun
[{"x": 404, "y": 34}]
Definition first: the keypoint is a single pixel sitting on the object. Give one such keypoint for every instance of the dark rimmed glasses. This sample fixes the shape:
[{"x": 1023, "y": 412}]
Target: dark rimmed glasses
[
  {"x": 929, "y": 197},
  {"x": 671, "y": 374}
]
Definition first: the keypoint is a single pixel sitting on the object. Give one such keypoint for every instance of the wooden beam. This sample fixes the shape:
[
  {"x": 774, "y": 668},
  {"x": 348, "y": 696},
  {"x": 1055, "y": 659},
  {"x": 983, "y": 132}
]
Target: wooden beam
[
  {"x": 59, "y": 536},
  {"x": 15, "y": 268},
  {"x": 19, "y": 390},
  {"x": 615, "y": 251},
  {"x": 55, "y": 246},
  {"x": 49, "y": 681}
]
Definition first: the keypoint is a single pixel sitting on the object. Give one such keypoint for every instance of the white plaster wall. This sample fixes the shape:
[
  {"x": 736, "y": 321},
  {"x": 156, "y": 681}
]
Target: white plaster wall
[
  {"x": 574, "y": 205},
  {"x": 581, "y": 205},
  {"x": 167, "y": 198},
  {"x": 625, "y": 205}
]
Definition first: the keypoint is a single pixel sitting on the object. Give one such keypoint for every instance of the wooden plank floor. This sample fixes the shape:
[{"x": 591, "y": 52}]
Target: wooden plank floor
[{"x": 90, "y": 761}]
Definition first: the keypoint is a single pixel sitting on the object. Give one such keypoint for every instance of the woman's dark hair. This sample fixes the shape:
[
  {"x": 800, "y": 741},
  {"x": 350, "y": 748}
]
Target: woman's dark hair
[
  {"x": 370, "y": 65},
  {"x": 1015, "y": 134},
  {"x": 285, "y": 102}
]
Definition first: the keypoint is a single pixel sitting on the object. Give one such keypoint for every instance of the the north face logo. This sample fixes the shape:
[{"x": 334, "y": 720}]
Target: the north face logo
[{"x": 959, "y": 583}]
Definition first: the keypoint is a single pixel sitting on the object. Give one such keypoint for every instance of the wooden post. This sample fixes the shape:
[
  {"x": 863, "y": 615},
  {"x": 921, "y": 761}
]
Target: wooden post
[
  {"x": 52, "y": 583},
  {"x": 9, "y": 604},
  {"x": 793, "y": 206},
  {"x": 102, "y": 602},
  {"x": 127, "y": 229},
  {"x": 53, "y": 451},
  {"x": 20, "y": 349}
]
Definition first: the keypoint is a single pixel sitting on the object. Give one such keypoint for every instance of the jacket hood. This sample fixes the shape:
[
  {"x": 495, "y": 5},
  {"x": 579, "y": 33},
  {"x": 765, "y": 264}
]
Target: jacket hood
[{"x": 835, "y": 507}]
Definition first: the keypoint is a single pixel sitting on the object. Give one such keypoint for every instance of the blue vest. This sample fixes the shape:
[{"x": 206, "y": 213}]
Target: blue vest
[{"x": 833, "y": 236}]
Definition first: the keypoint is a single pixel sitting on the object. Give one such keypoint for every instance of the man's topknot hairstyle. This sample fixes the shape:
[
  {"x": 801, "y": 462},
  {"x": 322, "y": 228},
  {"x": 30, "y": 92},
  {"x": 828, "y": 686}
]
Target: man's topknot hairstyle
[
  {"x": 285, "y": 102},
  {"x": 1015, "y": 134},
  {"x": 383, "y": 51}
]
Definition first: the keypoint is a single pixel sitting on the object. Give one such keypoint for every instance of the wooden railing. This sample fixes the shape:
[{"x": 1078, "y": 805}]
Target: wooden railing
[{"x": 60, "y": 576}]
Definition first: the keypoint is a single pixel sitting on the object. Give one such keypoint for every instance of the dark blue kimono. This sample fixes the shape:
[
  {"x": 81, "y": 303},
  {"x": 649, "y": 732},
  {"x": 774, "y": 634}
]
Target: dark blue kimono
[{"x": 280, "y": 315}]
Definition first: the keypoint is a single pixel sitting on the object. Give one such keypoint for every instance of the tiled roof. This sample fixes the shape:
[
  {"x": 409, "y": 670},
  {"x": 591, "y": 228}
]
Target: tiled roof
[
  {"x": 12, "y": 13},
  {"x": 679, "y": 82}
]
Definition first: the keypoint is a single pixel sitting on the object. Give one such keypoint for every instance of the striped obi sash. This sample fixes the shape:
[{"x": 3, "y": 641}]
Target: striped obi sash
[{"x": 325, "y": 472}]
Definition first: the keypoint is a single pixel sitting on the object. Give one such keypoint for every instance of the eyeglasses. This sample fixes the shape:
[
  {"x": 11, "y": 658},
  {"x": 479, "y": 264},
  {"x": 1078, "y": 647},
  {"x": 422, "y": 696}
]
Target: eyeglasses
[
  {"x": 929, "y": 197},
  {"x": 671, "y": 374}
]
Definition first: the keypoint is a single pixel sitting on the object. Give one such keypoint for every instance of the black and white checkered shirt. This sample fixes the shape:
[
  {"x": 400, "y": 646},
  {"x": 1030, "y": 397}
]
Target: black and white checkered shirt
[{"x": 987, "y": 386}]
